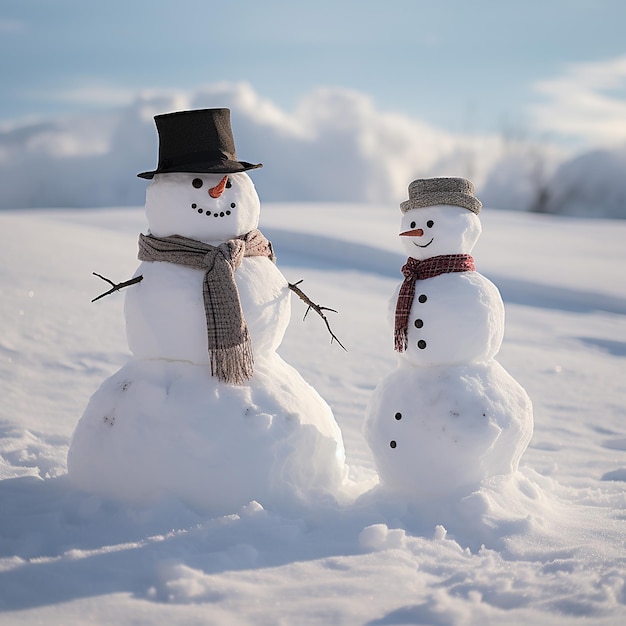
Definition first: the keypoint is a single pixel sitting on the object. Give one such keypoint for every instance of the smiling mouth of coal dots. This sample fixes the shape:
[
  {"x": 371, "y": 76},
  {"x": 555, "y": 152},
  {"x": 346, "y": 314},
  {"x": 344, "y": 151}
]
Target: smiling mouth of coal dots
[{"x": 200, "y": 210}]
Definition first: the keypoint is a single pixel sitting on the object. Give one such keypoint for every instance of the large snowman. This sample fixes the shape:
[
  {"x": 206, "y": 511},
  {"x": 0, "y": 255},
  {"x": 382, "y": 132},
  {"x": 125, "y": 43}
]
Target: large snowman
[
  {"x": 206, "y": 411},
  {"x": 450, "y": 415}
]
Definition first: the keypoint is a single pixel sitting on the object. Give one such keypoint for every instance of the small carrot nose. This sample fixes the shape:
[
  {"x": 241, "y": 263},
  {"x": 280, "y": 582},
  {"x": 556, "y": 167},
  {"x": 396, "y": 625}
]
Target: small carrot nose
[
  {"x": 218, "y": 190},
  {"x": 417, "y": 232}
]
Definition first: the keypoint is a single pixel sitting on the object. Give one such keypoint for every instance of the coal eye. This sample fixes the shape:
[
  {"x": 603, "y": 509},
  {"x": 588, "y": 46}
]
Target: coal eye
[
  {"x": 228, "y": 184},
  {"x": 197, "y": 183},
  {"x": 412, "y": 224},
  {"x": 430, "y": 223}
]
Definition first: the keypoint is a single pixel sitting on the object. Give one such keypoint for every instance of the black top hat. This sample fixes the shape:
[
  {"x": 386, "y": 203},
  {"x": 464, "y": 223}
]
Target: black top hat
[{"x": 197, "y": 141}]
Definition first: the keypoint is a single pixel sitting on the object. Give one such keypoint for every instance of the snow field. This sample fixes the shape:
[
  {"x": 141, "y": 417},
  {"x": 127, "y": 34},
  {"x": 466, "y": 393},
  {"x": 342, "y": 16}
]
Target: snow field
[{"x": 553, "y": 535}]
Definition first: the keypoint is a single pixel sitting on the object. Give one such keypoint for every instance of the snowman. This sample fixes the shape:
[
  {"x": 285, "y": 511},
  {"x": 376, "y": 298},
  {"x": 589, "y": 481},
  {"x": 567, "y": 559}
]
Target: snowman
[
  {"x": 206, "y": 411},
  {"x": 449, "y": 416}
]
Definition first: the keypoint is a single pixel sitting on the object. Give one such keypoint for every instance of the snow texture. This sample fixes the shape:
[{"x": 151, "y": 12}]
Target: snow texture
[{"x": 544, "y": 545}]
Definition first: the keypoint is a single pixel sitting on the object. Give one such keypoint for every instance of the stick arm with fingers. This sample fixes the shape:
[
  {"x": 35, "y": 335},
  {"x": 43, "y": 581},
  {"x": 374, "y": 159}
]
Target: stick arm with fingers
[
  {"x": 116, "y": 286},
  {"x": 293, "y": 286},
  {"x": 317, "y": 308}
]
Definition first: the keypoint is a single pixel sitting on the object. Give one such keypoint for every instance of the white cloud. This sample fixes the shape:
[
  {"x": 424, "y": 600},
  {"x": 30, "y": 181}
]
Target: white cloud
[
  {"x": 87, "y": 91},
  {"x": 585, "y": 103}
]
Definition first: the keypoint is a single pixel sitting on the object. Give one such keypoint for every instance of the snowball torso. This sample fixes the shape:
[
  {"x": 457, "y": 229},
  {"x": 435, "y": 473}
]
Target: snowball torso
[
  {"x": 165, "y": 316},
  {"x": 455, "y": 318}
]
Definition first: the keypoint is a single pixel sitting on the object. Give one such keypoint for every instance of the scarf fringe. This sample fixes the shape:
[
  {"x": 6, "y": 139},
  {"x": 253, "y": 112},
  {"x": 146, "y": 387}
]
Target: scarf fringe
[
  {"x": 233, "y": 365},
  {"x": 401, "y": 339}
]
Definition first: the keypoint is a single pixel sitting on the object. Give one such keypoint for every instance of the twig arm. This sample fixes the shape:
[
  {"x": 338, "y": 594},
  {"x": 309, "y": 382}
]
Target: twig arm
[
  {"x": 116, "y": 286},
  {"x": 317, "y": 308}
]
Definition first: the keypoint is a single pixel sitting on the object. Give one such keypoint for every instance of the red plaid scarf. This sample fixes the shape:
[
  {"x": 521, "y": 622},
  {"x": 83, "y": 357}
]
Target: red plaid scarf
[{"x": 415, "y": 270}]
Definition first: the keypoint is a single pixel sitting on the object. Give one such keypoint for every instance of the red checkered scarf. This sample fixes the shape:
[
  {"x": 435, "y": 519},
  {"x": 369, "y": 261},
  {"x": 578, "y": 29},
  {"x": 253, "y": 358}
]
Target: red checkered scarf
[{"x": 415, "y": 270}]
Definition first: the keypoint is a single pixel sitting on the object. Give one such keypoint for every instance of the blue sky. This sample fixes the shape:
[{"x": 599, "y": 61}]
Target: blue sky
[{"x": 463, "y": 66}]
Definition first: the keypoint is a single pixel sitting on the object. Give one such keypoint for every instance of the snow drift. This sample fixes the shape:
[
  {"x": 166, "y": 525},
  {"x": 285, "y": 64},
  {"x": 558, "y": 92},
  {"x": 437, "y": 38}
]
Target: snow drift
[{"x": 358, "y": 154}]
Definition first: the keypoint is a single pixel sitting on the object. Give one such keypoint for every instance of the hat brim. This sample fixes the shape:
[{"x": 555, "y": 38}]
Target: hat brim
[
  {"x": 220, "y": 167},
  {"x": 450, "y": 198}
]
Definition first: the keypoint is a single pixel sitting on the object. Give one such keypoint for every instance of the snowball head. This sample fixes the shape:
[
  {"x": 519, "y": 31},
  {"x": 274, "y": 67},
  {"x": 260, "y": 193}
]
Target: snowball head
[
  {"x": 439, "y": 230},
  {"x": 441, "y": 430},
  {"x": 180, "y": 204}
]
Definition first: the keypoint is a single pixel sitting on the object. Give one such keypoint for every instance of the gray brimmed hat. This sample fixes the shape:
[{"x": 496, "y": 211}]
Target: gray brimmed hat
[
  {"x": 199, "y": 141},
  {"x": 425, "y": 192}
]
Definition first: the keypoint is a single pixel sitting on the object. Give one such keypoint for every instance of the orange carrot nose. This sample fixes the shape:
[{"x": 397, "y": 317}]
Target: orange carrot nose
[
  {"x": 418, "y": 232},
  {"x": 218, "y": 190}
]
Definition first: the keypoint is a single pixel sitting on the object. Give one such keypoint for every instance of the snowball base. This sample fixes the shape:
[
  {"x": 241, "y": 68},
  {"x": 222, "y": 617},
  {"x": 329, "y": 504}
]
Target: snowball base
[
  {"x": 436, "y": 430},
  {"x": 158, "y": 429}
]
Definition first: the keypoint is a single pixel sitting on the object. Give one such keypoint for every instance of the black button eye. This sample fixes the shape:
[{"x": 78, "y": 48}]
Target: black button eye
[
  {"x": 228, "y": 184},
  {"x": 197, "y": 183},
  {"x": 430, "y": 223},
  {"x": 412, "y": 224}
]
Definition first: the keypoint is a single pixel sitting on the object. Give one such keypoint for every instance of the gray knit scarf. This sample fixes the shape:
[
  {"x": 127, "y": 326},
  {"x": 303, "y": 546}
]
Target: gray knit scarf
[{"x": 229, "y": 344}]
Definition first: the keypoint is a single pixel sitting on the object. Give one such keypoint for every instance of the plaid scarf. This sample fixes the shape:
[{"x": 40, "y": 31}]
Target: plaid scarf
[
  {"x": 229, "y": 344},
  {"x": 415, "y": 270}
]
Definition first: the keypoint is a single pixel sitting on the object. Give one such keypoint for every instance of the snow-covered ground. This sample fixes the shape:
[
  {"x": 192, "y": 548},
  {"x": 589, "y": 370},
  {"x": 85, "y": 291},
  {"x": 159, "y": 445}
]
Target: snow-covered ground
[{"x": 545, "y": 547}]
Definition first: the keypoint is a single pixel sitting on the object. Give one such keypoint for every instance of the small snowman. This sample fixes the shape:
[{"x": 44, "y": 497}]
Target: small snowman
[
  {"x": 206, "y": 411},
  {"x": 450, "y": 415}
]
